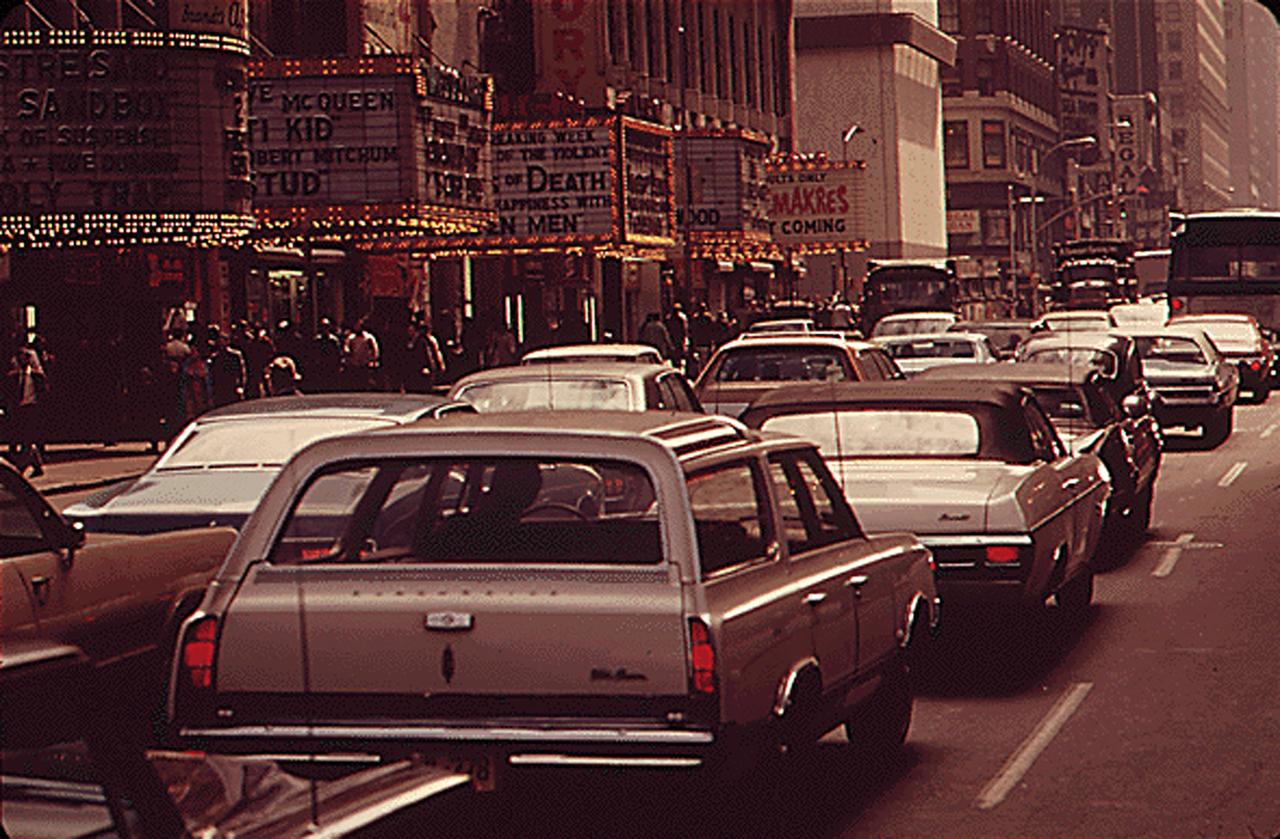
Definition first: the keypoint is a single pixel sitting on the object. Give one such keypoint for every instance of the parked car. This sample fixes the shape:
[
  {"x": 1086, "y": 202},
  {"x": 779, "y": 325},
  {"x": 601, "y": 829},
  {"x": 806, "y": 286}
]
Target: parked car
[
  {"x": 1075, "y": 320},
  {"x": 214, "y": 472},
  {"x": 975, "y": 469},
  {"x": 1112, "y": 354},
  {"x": 912, "y": 323},
  {"x": 1004, "y": 335},
  {"x": 1088, "y": 420},
  {"x": 1192, "y": 384},
  {"x": 588, "y": 353},
  {"x": 577, "y": 386},
  {"x": 917, "y": 353},
  {"x": 724, "y": 601},
  {"x": 1241, "y": 342},
  {"x": 743, "y": 369},
  {"x": 105, "y": 600}
]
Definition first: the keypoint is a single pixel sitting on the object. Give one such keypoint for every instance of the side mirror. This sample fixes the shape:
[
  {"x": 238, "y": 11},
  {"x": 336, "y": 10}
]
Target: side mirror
[{"x": 1133, "y": 405}]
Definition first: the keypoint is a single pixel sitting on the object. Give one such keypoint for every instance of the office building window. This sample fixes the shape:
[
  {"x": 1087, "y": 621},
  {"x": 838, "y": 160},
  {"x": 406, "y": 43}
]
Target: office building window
[
  {"x": 955, "y": 144},
  {"x": 949, "y": 16},
  {"x": 1175, "y": 41},
  {"x": 1174, "y": 70},
  {"x": 986, "y": 76},
  {"x": 995, "y": 227},
  {"x": 981, "y": 16},
  {"x": 993, "y": 145}
]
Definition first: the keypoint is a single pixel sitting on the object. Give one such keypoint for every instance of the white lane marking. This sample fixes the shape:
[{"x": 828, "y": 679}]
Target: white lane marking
[
  {"x": 1233, "y": 473},
  {"x": 1020, "y": 761},
  {"x": 1173, "y": 552},
  {"x": 1269, "y": 430}
]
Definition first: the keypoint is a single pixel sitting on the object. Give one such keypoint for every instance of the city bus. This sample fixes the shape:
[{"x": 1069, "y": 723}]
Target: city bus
[
  {"x": 907, "y": 285},
  {"x": 1227, "y": 261}
]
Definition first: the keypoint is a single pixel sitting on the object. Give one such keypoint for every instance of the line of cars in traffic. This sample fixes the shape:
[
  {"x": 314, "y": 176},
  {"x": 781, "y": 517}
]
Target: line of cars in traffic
[{"x": 567, "y": 563}]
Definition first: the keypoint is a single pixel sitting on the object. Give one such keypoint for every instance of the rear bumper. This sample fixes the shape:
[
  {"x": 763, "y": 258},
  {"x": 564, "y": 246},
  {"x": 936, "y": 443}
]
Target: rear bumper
[{"x": 959, "y": 594}]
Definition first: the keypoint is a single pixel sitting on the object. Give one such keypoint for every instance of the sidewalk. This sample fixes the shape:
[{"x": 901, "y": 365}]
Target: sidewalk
[{"x": 76, "y": 468}]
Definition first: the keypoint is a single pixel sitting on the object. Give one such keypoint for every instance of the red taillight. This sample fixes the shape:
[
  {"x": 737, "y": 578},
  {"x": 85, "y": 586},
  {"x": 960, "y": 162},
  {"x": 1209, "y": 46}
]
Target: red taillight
[
  {"x": 702, "y": 658},
  {"x": 1255, "y": 365},
  {"x": 1175, "y": 304},
  {"x": 198, "y": 649},
  {"x": 1002, "y": 553}
]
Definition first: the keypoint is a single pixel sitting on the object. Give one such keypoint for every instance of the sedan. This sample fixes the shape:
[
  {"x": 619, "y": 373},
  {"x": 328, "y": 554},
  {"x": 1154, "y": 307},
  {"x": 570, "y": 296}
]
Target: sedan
[
  {"x": 1240, "y": 340},
  {"x": 586, "y": 353},
  {"x": 577, "y": 386},
  {"x": 917, "y": 353},
  {"x": 218, "y": 467},
  {"x": 1088, "y": 420},
  {"x": 1192, "y": 384},
  {"x": 1004, "y": 335},
  {"x": 913, "y": 323},
  {"x": 1075, "y": 320},
  {"x": 974, "y": 469}
]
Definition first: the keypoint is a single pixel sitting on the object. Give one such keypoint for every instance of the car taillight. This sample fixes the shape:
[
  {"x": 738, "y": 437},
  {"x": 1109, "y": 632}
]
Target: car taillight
[
  {"x": 1003, "y": 553},
  {"x": 199, "y": 646},
  {"x": 1255, "y": 365},
  {"x": 702, "y": 658}
]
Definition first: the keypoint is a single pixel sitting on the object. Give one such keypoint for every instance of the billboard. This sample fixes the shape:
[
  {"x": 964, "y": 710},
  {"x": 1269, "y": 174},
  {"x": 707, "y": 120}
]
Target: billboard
[
  {"x": 817, "y": 205},
  {"x": 723, "y": 189},
  {"x": 567, "y": 37}
]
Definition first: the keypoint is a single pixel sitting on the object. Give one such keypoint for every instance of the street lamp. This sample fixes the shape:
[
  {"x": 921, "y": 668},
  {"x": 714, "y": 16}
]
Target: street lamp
[
  {"x": 844, "y": 158},
  {"x": 1035, "y": 177}
]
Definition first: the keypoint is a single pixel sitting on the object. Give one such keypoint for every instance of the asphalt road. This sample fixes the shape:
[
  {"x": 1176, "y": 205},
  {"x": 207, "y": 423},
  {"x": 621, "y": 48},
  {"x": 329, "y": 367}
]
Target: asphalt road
[{"x": 1156, "y": 717}]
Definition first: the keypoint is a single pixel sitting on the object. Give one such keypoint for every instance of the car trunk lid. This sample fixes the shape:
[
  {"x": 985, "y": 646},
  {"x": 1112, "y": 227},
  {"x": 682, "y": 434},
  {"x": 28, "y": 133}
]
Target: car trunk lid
[{"x": 926, "y": 496}]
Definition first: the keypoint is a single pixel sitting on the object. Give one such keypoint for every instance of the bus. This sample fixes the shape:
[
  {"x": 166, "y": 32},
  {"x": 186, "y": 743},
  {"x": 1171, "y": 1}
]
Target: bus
[
  {"x": 1152, "y": 270},
  {"x": 1227, "y": 261},
  {"x": 907, "y": 285},
  {"x": 1093, "y": 273}
]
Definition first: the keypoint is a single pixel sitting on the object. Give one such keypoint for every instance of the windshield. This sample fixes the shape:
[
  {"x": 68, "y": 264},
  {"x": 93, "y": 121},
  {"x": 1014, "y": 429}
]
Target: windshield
[
  {"x": 1081, "y": 273},
  {"x": 1075, "y": 356},
  {"x": 257, "y": 442},
  {"x": 923, "y": 287},
  {"x": 1166, "y": 348},
  {"x": 911, "y": 326},
  {"x": 931, "y": 348},
  {"x": 884, "y": 433},
  {"x": 557, "y": 393},
  {"x": 781, "y": 364}
]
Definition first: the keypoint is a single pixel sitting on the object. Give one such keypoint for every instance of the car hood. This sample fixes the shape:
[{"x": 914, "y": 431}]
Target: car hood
[
  {"x": 929, "y": 496},
  {"x": 161, "y": 501}
]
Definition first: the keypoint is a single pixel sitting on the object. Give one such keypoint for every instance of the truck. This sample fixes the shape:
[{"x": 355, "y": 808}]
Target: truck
[{"x": 1093, "y": 274}]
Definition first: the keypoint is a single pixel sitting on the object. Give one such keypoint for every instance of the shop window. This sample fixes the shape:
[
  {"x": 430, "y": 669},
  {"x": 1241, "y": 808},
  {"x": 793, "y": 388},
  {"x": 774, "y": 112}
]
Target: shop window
[
  {"x": 949, "y": 16},
  {"x": 993, "y": 144},
  {"x": 955, "y": 144}
]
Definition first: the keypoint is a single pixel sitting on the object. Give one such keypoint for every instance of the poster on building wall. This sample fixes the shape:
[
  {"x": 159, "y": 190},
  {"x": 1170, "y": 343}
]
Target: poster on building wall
[
  {"x": 722, "y": 189},
  {"x": 330, "y": 140},
  {"x": 555, "y": 182},
  {"x": 816, "y": 204},
  {"x": 105, "y": 125},
  {"x": 648, "y": 201},
  {"x": 218, "y": 17},
  {"x": 568, "y": 35}
]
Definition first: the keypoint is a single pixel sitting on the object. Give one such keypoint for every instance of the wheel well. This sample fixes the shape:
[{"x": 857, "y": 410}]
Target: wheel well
[
  {"x": 803, "y": 679},
  {"x": 917, "y": 620}
]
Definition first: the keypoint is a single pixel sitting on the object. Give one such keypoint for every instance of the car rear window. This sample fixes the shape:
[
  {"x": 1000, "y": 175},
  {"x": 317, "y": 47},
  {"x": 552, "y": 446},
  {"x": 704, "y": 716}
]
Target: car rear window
[
  {"x": 930, "y": 348},
  {"x": 1100, "y": 360},
  {"x": 1166, "y": 348},
  {"x": 259, "y": 442},
  {"x": 554, "y": 392},
  {"x": 476, "y": 510},
  {"x": 872, "y": 432},
  {"x": 781, "y": 364}
]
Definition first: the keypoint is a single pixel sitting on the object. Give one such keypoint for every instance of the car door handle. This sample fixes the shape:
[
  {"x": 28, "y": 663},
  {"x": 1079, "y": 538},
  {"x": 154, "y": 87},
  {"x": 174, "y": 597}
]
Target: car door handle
[
  {"x": 1071, "y": 483},
  {"x": 857, "y": 581},
  {"x": 813, "y": 598},
  {"x": 40, "y": 588}
]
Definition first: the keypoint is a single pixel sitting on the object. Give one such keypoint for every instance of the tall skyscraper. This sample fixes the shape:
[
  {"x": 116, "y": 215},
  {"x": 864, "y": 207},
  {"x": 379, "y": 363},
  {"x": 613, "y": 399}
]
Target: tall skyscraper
[{"x": 1251, "y": 40}]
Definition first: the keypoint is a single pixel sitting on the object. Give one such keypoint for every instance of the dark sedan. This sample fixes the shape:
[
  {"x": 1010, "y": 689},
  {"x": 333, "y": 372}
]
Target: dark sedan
[
  {"x": 1087, "y": 419},
  {"x": 1241, "y": 341},
  {"x": 220, "y": 465},
  {"x": 1111, "y": 354},
  {"x": 1192, "y": 384}
]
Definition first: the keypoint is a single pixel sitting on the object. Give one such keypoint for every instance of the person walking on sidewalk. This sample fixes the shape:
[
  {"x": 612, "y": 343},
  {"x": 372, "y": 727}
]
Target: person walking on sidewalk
[
  {"x": 27, "y": 386},
  {"x": 361, "y": 358}
]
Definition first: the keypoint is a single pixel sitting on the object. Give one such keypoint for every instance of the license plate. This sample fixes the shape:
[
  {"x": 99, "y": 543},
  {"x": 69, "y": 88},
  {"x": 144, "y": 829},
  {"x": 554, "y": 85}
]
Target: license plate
[{"x": 481, "y": 768}]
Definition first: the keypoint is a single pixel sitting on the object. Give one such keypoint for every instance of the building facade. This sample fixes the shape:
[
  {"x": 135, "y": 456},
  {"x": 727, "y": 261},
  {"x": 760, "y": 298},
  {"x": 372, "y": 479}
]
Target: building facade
[
  {"x": 1000, "y": 127},
  {"x": 1252, "y": 39},
  {"x": 884, "y": 56}
]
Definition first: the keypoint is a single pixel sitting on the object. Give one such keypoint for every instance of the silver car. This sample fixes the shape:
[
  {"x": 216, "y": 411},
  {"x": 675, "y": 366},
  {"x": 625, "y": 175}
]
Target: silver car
[{"x": 974, "y": 469}]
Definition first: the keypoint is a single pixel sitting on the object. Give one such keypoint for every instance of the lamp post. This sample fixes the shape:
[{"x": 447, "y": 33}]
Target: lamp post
[
  {"x": 1035, "y": 177},
  {"x": 844, "y": 158}
]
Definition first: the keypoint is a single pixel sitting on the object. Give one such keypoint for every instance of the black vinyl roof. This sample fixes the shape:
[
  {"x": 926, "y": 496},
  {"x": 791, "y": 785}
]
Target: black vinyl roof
[
  {"x": 997, "y": 393},
  {"x": 1086, "y": 340}
]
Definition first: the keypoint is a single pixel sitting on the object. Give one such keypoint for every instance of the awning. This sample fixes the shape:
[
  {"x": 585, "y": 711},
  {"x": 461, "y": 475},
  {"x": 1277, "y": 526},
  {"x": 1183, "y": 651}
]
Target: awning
[
  {"x": 762, "y": 267},
  {"x": 724, "y": 267}
]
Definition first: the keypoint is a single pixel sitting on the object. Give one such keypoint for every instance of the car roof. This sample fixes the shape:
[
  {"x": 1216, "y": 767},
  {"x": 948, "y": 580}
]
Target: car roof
[
  {"x": 920, "y": 315},
  {"x": 999, "y": 394},
  {"x": 589, "y": 349},
  {"x": 402, "y": 406},
  {"x": 1026, "y": 373},
  {"x": 950, "y": 334},
  {"x": 1076, "y": 314},
  {"x": 1109, "y": 340},
  {"x": 1209, "y": 317},
  {"x": 797, "y": 339},
  {"x": 629, "y": 370}
]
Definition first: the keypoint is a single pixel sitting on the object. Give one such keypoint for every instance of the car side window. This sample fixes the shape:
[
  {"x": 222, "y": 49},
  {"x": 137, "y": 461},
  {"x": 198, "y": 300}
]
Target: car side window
[
  {"x": 20, "y": 531},
  {"x": 1043, "y": 439},
  {"x": 814, "y": 510},
  {"x": 672, "y": 395},
  {"x": 730, "y": 515},
  {"x": 682, "y": 394}
]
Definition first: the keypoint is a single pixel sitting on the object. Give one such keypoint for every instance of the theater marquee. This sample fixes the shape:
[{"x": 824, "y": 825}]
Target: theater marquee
[{"x": 817, "y": 206}]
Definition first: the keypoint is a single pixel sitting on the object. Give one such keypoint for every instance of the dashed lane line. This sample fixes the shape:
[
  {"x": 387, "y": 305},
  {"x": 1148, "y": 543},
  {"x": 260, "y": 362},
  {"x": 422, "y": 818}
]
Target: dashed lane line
[
  {"x": 1173, "y": 552},
  {"x": 1233, "y": 473},
  {"x": 1016, "y": 767},
  {"x": 1269, "y": 430}
]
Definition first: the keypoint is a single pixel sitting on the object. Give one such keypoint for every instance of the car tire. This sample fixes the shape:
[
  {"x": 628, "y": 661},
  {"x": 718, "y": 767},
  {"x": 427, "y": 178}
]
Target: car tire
[
  {"x": 879, "y": 727},
  {"x": 1075, "y": 596},
  {"x": 1262, "y": 393}
]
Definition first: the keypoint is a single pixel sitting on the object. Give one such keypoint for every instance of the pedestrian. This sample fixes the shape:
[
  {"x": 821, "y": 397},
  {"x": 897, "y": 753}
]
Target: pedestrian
[
  {"x": 260, "y": 352},
  {"x": 428, "y": 361},
  {"x": 653, "y": 333},
  {"x": 361, "y": 358},
  {"x": 283, "y": 377},
  {"x": 500, "y": 350},
  {"x": 324, "y": 364},
  {"x": 842, "y": 315},
  {"x": 27, "y": 388},
  {"x": 176, "y": 351},
  {"x": 678, "y": 330},
  {"x": 226, "y": 368}
]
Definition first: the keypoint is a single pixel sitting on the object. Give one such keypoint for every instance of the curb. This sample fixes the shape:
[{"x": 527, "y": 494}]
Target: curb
[{"x": 82, "y": 486}]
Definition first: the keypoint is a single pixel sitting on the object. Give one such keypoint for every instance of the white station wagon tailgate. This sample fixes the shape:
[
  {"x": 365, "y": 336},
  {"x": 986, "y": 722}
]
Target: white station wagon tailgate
[{"x": 409, "y": 581}]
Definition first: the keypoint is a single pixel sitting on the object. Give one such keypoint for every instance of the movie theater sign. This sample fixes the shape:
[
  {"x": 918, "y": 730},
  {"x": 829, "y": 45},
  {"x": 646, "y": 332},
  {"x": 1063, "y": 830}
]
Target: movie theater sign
[
  {"x": 817, "y": 206},
  {"x": 121, "y": 138}
]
